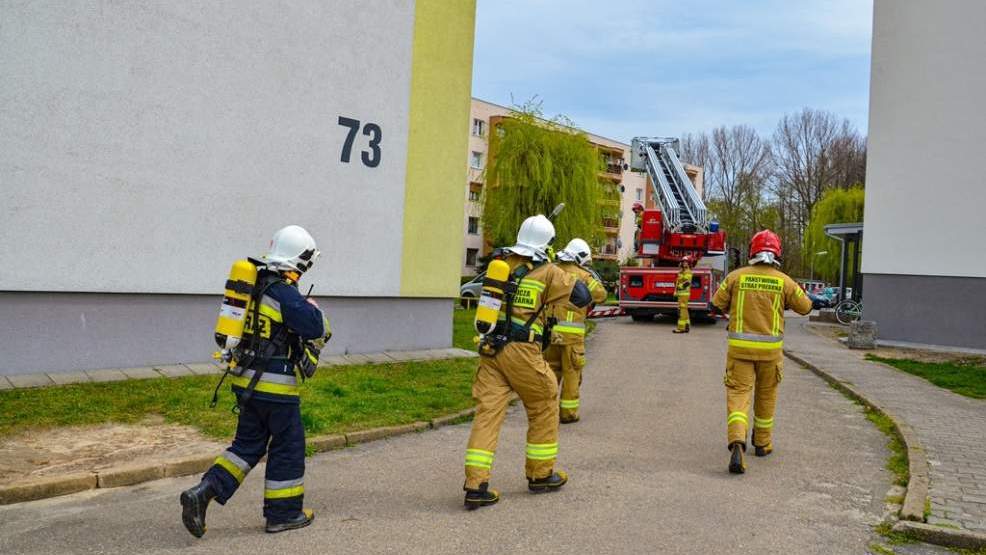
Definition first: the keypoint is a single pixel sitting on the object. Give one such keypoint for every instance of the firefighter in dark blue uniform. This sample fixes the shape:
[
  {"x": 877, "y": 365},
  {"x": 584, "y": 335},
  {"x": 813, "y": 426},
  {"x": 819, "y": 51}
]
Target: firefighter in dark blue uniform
[{"x": 267, "y": 393}]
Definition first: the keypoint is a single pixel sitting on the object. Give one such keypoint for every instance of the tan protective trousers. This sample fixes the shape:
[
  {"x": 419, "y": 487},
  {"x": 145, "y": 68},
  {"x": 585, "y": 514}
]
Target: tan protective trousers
[
  {"x": 684, "y": 321},
  {"x": 758, "y": 378},
  {"x": 567, "y": 362},
  {"x": 517, "y": 367}
]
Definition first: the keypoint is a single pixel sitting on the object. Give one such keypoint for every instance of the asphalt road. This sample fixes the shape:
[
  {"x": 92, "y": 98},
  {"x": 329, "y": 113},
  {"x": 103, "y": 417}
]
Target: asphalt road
[{"x": 647, "y": 465}]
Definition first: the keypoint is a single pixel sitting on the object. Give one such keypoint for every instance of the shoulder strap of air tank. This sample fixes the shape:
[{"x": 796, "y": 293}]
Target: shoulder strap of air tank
[
  {"x": 261, "y": 289},
  {"x": 534, "y": 317}
]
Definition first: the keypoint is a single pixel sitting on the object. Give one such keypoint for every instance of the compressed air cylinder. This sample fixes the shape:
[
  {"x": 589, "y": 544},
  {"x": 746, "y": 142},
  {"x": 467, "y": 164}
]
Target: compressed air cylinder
[
  {"x": 491, "y": 299},
  {"x": 236, "y": 301}
]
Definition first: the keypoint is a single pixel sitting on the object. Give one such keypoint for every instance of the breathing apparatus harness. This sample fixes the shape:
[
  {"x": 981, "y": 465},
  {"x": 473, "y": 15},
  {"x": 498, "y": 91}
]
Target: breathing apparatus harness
[
  {"x": 258, "y": 352},
  {"x": 506, "y": 330}
]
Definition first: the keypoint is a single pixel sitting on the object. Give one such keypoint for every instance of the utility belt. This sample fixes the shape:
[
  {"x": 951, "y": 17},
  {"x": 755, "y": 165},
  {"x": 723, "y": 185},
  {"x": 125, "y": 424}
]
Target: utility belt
[{"x": 502, "y": 334}]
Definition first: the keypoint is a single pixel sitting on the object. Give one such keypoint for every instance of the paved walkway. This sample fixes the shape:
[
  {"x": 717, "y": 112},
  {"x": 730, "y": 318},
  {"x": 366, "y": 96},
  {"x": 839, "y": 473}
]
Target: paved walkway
[
  {"x": 952, "y": 428},
  {"x": 648, "y": 475}
]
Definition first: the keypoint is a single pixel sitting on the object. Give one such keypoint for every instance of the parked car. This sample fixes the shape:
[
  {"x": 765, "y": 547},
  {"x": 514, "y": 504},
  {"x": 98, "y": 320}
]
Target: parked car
[
  {"x": 831, "y": 293},
  {"x": 470, "y": 290},
  {"x": 818, "y": 301}
]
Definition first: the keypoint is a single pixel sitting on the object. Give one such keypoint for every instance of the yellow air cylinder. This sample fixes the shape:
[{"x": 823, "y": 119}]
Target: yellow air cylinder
[
  {"x": 491, "y": 299},
  {"x": 236, "y": 301}
]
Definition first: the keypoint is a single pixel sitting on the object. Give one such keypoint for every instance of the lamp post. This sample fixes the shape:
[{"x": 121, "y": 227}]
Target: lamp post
[{"x": 813, "y": 263}]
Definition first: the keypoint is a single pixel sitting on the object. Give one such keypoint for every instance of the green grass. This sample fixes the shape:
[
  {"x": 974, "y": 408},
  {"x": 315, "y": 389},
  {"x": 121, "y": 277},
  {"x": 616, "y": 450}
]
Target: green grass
[
  {"x": 462, "y": 328},
  {"x": 897, "y": 463},
  {"x": 886, "y": 529},
  {"x": 965, "y": 377},
  {"x": 337, "y": 399}
]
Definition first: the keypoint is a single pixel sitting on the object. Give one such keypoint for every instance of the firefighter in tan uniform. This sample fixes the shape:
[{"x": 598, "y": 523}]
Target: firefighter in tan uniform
[
  {"x": 566, "y": 354},
  {"x": 683, "y": 292},
  {"x": 755, "y": 298},
  {"x": 511, "y": 361}
]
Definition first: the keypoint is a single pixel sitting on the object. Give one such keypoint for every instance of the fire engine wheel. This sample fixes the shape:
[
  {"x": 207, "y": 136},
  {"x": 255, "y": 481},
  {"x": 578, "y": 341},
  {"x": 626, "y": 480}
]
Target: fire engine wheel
[{"x": 642, "y": 317}]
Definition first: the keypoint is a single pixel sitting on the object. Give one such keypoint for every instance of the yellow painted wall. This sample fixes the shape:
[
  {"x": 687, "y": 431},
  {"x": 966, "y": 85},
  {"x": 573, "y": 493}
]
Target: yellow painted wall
[{"x": 441, "y": 86}]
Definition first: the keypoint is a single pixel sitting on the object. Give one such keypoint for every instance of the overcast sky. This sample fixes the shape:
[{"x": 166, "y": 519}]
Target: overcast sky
[{"x": 622, "y": 68}]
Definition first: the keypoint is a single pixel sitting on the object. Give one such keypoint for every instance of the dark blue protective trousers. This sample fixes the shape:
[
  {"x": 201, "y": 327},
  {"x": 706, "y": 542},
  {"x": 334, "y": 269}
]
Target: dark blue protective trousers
[{"x": 274, "y": 429}]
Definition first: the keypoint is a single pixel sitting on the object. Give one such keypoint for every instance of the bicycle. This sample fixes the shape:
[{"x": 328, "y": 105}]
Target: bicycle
[{"x": 848, "y": 311}]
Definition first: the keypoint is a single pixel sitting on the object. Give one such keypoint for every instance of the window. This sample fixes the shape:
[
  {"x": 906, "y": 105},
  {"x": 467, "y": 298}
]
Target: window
[
  {"x": 471, "y": 255},
  {"x": 473, "y": 195},
  {"x": 476, "y": 161},
  {"x": 478, "y": 127},
  {"x": 640, "y": 192},
  {"x": 475, "y": 191},
  {"x": 473, "y": 226}
]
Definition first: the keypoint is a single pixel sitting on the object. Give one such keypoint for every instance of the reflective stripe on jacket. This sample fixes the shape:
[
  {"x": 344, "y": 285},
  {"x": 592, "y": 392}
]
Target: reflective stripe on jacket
[
  {"x": 570, "y": 326},
  {"x": 755, "y": 298}
]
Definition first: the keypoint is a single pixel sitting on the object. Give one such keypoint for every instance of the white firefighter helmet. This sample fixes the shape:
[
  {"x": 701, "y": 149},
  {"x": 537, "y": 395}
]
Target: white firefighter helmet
[
  {"x": 535, "y": 234},
  {"x": 291, "y": 248},
  {"x": 577, "y": 251}
]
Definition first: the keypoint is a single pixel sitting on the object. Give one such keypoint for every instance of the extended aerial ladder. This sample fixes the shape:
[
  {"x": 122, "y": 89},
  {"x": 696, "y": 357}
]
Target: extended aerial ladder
[
  {"x": 681, "y": 227},
  {"x": 683, "y": 209}
]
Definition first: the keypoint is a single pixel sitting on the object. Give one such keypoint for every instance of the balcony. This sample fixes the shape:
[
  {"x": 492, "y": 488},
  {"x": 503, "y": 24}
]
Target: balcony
[
  {"x": 608, "y": 252},
  {"x": 611, "y": 225}
]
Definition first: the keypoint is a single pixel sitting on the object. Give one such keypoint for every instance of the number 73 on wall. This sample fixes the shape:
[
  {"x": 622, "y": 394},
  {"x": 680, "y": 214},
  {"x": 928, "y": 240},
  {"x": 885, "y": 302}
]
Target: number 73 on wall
[{"x": 371, "y": 157}]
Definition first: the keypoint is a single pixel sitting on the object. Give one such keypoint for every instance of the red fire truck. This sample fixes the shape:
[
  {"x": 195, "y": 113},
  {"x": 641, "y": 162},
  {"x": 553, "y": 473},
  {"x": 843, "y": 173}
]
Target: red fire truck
[{"x": 680, "y": 227}]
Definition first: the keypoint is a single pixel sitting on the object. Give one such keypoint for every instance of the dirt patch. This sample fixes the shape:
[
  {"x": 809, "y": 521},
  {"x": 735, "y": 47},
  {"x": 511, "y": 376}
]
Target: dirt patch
[
  {"x": 835, "y": 332},
  {"x": 828, "y": 331},
  {"x": 91, "y": 448}
]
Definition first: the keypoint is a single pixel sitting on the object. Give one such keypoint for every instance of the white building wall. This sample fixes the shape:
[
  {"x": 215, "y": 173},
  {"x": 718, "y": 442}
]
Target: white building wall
[
  {"x": 168, "y": 146},
  {"x": 925, "y": 183}
]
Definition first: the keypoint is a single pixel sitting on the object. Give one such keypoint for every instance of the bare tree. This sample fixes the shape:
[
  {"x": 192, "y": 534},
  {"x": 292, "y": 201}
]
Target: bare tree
[{"x": 814, "y": 150}]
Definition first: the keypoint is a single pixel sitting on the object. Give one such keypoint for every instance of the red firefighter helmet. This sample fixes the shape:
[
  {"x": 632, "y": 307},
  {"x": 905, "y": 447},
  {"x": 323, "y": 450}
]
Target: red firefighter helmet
[
  {"x": 638, "y": 207},
  {"x": 687, "y": 260},
  {"x": 765, "y": 241}
]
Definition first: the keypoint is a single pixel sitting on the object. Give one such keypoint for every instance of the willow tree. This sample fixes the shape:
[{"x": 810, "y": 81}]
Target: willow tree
[
  {"x": 536, "y": 164},
  {"x": 836, "y": 206}
]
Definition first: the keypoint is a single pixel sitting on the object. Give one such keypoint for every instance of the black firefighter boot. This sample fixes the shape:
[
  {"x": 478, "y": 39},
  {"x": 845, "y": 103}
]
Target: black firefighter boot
[
  {"x": 554, "y": 482},
  {"x": 736, "y": 464},
  {"x": 476, "y": 498},
  {"x": 302, "y": 519},
  {"x": 194, "y": 502}
]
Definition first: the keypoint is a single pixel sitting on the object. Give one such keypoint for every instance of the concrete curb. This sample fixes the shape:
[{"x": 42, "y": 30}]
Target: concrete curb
[
  {"x": 917, "y": 461},
  {"x": 939, "y": 535},
  {"x": 42, "y": 488},
  {"x": 55, "y": 486}
]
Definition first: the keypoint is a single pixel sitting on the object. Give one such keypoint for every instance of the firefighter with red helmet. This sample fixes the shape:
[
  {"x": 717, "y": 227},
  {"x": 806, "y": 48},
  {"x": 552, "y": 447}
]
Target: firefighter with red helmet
[
  {"x": 755, "y": 297},
  {"x": 683, "y": 292}
]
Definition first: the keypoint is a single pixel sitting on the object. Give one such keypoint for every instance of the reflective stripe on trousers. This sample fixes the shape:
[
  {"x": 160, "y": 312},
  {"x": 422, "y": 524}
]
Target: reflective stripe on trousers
[
  {"x": 542, "y": 451},
  {"x": 479, "y": 458},
  {"x": 281, "y": 489},
  {"x": 232, "y": 463}
]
